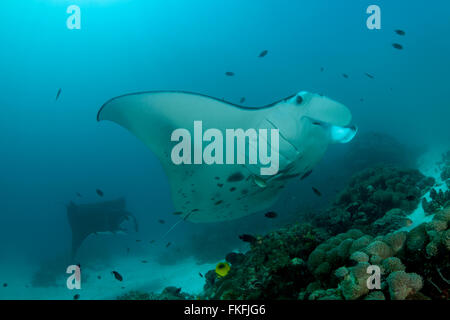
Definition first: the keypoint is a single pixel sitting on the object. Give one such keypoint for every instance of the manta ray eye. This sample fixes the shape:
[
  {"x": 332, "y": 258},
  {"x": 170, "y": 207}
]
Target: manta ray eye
[{"x": 299, "y": 99}]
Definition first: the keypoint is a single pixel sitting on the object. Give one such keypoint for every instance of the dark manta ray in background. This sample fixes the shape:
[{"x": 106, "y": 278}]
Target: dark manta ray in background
[
  {"x": 307, "y": 124},
  {"x": 97, "y": 218}
]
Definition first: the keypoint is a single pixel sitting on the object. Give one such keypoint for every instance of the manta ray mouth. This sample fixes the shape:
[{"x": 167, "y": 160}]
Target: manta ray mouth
[
  {"x": 289, "y": 152},
  {"x": 343, "y": 134},
  {"x": 337, "y": 134}
]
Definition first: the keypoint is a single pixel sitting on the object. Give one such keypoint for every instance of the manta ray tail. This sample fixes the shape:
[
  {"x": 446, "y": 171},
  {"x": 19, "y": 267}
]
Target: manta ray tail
[{"x": 175, "y": 224}]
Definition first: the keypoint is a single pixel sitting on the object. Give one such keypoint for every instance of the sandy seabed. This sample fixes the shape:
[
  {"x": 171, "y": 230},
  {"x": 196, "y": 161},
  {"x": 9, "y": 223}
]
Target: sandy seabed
[{"x": 146, "y": 277}]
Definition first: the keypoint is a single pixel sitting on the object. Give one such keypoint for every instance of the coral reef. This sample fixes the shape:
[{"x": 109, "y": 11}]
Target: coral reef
[
  {"x": 272, "y": 269},
  {"x": 169, "y": 293},
  {"x": 445, "y": 171},
  {"x": 292, "y": 264},
  {"x": 370, "y": 197},
  {"x": 329, "y": 258},
  {"x": 347, "y": 257},
  {"x": 135, "y": 295},
  {"x": 428, "y": 253},
  {"x": 439, "y": 200},
  {"x": 374, "y": 148},
  {"x": 402, "y": 284}
]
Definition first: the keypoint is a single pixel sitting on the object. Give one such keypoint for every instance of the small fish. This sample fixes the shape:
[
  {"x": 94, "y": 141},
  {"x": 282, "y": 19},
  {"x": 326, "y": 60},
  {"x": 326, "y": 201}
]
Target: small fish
[
  {"x": 168, "y": 244},
  {"x": 306, "y": 175},
  {"x": 58, "y": 94},
  {"x": 177, "y": 213},
  {"x": 247, "y": 238},
  {"x": 138, "y": 240},
  {"x": 322, "y": 69},
  {"x": 117, "y": 275},
  {"x": 271, "y": 215},
  {"x": 128, "y": 250},
  {"x": 161, "y": 221},
  {"x": 76, "y": 297},
  {"x": 242, "y": 100},
  {"x": 260, "y": 182},
  {"x": 397, "y": 46},
  {"x": 5, "y": 285},
  {"x": 99, "y": 277},
  {"x": 263, "y": 53},
  {"x": 99, "y": 192},
  {"x": 345, "y": 75},
  {"x": 317, "y": 192},
  {"x": 79, "y": 194},
  {"x": 400, "y": 32},
  {"x": 362, "y": 99},
  {"x": 410, "y": 198},
  {"x": 200, "y": 274},
  {"x": 369, "y": 75},
  {"x": 235, "y": 177},
  {"x": 144, "y": 261},
  {"x": 229, "y": 73}
]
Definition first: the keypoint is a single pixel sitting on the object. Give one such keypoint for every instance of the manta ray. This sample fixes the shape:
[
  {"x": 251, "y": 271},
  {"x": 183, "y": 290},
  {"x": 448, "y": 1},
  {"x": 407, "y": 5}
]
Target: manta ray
[
  {"x": 97, "y": 218},
  {"x": 307, "y": 124}
]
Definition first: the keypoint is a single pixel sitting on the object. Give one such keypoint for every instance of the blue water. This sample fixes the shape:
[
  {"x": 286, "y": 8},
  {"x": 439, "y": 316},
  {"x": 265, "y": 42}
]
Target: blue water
[{"x": 52, "y": 149}]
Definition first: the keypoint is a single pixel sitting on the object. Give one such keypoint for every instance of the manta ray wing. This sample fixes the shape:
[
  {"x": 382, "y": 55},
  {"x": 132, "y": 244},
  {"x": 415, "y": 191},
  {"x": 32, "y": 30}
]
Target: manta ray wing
[
  {"x": 218, "y": 192},
  {"x": 86, "y": 219}
]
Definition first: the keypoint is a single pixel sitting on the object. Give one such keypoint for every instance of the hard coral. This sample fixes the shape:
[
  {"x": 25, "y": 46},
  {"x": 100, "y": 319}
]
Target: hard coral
[
  {"x": 354, "y": 285},
  {"x": 371, "y": 194},
  {"x": 380, "y": 249},
  {"x": 273, "y": 268},
  {"x": 392, "y": 264},
  {"x": 402, "y": 284},
  {"x": 439, "y": 200}
]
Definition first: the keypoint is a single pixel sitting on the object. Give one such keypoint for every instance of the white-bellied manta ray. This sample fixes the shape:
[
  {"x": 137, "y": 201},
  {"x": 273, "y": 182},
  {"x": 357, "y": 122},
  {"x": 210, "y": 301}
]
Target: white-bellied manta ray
[{"x": 307, "y": 123}]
